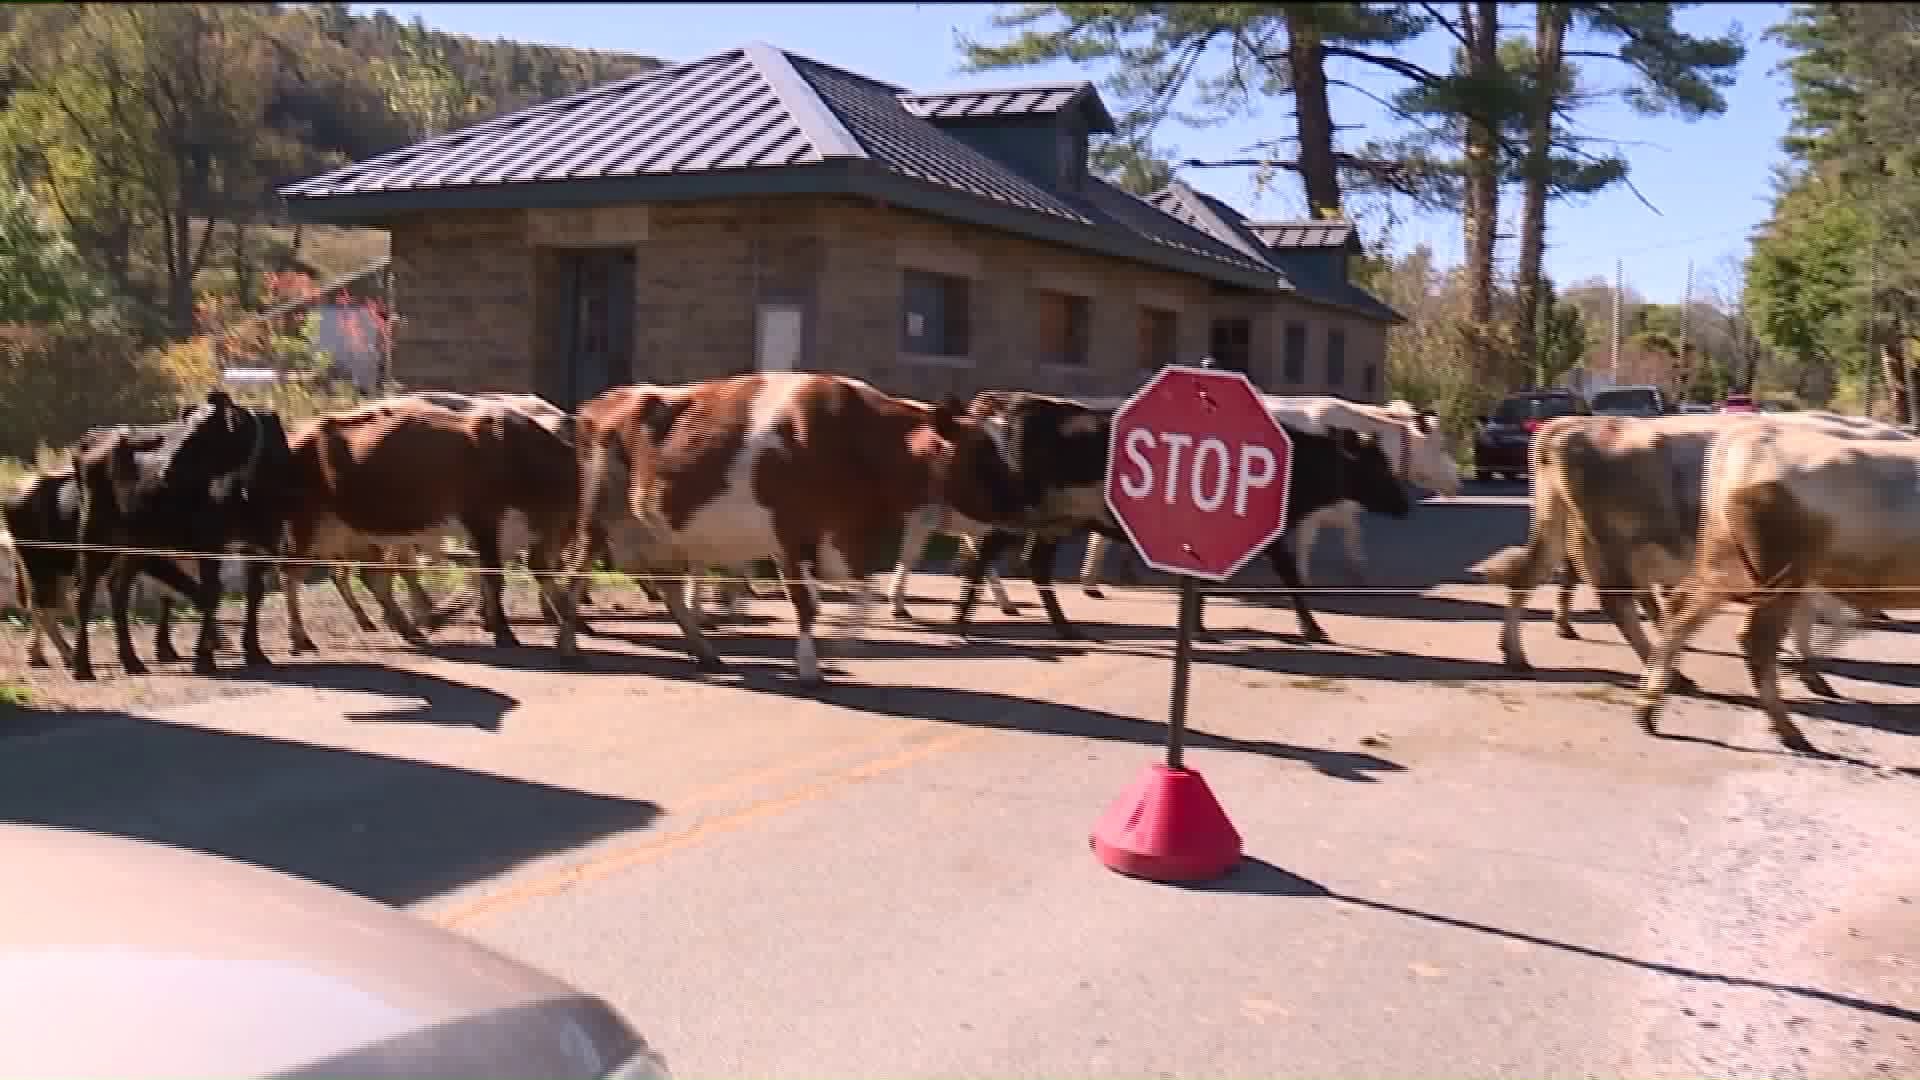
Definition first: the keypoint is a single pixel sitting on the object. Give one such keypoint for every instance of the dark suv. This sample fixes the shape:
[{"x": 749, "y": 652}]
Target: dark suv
[{"x": 1500, "y": 444}]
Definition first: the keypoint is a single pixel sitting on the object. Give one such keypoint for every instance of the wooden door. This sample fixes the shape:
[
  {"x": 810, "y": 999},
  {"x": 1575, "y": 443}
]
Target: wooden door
[{"x": 597, "y": 306}]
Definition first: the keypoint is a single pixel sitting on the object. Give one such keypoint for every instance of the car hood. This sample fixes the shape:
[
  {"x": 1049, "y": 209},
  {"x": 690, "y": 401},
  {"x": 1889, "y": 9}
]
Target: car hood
[{"x": 132, "y": 959}]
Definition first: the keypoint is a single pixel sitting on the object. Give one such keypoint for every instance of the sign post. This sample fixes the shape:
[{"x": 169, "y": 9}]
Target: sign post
[{"x": 1197, "y": 474}]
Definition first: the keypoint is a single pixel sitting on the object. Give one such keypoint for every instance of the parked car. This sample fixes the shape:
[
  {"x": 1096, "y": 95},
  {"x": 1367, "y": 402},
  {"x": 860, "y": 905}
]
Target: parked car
[
  {"x": 132, "y": 959},
  {"x": 1629, "y": 401},
  {"x": 1502, "y": 439},
  {"x": 1738, "y": 403},
  {"x": 1694, "y": 408}
]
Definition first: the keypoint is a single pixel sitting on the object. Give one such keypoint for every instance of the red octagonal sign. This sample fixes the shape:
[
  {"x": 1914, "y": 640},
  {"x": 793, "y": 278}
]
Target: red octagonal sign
[{"x": 1197, "y": 472}]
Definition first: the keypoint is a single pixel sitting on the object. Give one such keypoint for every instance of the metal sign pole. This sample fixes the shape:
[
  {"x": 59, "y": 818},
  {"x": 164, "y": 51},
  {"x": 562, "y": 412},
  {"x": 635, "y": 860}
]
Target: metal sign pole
[{"x": 1182, "y": 666}]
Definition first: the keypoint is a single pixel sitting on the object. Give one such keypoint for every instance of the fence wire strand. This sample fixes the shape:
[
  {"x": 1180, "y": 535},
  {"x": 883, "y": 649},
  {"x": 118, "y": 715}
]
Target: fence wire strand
[{"x": 1169, "y": 591}]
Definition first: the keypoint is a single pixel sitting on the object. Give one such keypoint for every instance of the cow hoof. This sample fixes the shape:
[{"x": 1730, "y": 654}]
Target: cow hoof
[
  {"x": 1095, "y": 594},
  {"x": 1817, "y": 684},
  {"x": 133, "y": 665},
  {"x": 504, "y": 641},
  {"x": 1680, "y": 684},
  {"x": 256, "y": 658},
  {"x": 204, "y": 665},
  {"x": 1566, "y": 631},
  {"x": 1314, "y": 635},
  {"x": 1515, "y": 661},
  {"x": 1643, "y": 715},
  {"x": 1009, "y": 609},
  {"x": 902, "y": 614},
  {"x": 168, "y": 655},
  {"x": 84, "y": 673},
  {"x": 298, "y": 647},
  {"x": 1793, "y": 739},
  {"x": 37, "y": 661}
]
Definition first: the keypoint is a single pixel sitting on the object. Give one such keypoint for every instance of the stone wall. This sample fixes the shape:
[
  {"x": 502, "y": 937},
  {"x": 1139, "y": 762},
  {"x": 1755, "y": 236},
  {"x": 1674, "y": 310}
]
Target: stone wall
[{"x": 479, "y": 308}]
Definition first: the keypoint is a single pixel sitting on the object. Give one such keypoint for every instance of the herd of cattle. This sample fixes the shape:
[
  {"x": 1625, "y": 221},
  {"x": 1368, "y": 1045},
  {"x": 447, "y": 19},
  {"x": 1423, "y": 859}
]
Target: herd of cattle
[{"x": 1806, "y": 517}]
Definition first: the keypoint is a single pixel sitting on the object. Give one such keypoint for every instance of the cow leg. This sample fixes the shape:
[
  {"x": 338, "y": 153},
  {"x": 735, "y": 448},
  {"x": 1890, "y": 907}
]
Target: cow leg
[
  {"x": 1563, "y": 601},
  {"x": 380, "y": 583},
  {"x": 995, "y": 584},
  {"x": 837, "y": 564},
  {"x": 1691, "y": 608},
  {"x": 298, "y": 640},
  {"x": 119, "y": 586},
  {"x": 1807, "y": 662},
  {"x": 1305, "y": 535},
  {"x": 1349, "y": 520},
  {"x": 342, "y": 578},
  {"x": 163, "y": 650},
  {"x": 1767, "y": 626},
  {"x": 250, "y": 650},
  {"x": 207, "y": 595},
  {"x": 1040, "y": 556},
  {"x": 1090, "y": 566},
  {"x": 493, "y": 582},
  {"x": 913, "y": 548},
  {"x": 93, "y": 566},
  {"x": 984, "y": 554},
  {"x": 1280, "y": 555}
]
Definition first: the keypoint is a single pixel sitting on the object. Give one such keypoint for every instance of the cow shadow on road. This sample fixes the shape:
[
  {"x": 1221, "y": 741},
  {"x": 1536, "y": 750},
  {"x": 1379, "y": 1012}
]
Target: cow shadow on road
[
  {"x": 442, "y": 701},
  {"x": 1258, "y": 877},
  {"x": 388, "y": 828},
  {"x": 1005, "y": 712}
]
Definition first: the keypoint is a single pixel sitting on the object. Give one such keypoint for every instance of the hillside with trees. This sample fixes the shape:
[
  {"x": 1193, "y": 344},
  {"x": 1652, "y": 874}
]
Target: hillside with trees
[{"x": 142, "y": 146}]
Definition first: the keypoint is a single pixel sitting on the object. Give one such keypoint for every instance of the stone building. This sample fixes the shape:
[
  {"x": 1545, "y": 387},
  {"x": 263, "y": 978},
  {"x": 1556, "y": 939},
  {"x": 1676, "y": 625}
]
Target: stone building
[{"x": 760, "y": 210}]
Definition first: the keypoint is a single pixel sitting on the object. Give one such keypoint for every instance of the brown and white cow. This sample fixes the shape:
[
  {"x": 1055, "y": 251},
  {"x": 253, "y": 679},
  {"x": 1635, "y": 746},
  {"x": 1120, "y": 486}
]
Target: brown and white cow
[
  {"x": 405, "y": 472},
  {"x": 1791, "y": 508},
  {"x": 1621, "y": 496},
  {"x": 816, "y": 471}
]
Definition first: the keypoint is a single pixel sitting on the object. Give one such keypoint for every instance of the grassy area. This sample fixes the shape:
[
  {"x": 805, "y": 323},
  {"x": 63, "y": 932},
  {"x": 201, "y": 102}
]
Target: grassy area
[{"x": 15, "y": 695}]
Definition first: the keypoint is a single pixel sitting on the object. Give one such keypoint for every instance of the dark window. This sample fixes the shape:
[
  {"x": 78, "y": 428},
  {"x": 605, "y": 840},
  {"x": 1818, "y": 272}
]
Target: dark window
[
  {"x": 936, "y": 313},
  {"x": 1336, "y": 359},
  {"x": 1293, "y": 356},
  {"x": 1158, "y": 338},
  {"x": 1370, "y": 379},
  {"x": 1230, "y": 343},
  {"x": 1535, "y": 407},
  {"x": 1063, "y": 324}
]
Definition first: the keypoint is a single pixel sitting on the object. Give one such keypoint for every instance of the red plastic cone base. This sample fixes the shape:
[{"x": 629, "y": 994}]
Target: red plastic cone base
[{"x": 1167, "y": 827}]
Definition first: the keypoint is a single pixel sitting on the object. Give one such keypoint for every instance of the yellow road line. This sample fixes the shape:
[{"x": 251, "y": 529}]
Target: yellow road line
[{"x": 613, "y": 862}]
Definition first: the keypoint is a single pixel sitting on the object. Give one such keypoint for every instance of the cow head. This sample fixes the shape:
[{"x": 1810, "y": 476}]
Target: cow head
[
  {"x": 1367, "y": 475},
  {"x": 979, "y": 458}
]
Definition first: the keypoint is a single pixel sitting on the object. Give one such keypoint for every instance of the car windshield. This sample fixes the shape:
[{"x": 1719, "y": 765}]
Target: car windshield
[
  {"x": 1515, "y": 410},
  {"x": 1635, "y": 400}
]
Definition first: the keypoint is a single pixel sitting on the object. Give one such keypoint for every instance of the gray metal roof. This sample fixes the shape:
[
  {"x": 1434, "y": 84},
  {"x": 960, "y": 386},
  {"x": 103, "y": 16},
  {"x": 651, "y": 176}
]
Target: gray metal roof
[
  {"x": 754, "y": 120},
  {"x": 1038, "y": 99},
  {"x": 1307, "y": 278}
]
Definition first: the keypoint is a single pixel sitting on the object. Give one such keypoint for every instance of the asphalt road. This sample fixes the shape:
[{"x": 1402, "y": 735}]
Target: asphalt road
[{"x": 1452, "y": 870}]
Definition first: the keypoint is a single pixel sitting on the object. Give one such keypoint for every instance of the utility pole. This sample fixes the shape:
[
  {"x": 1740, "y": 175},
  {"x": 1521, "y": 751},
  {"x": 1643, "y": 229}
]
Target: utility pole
[{"x": 1619, "y": 274}]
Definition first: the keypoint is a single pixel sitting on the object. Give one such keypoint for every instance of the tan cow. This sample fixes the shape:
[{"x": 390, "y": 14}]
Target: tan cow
[
  {"x": 1619, "y": 498},
  {"x": 817, "y": 471},
  {"x": 406, "y": 473},
  {"x": 1790, "y": 508}
]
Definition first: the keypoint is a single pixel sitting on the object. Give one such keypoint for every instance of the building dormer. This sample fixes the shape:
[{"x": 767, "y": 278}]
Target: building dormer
[
  {"x": 1040, "y": 131},
  {"x": 1325, "y": 249}
]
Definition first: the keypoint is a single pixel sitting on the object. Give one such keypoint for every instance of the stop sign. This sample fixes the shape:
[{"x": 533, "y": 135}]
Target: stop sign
[{"x": 1197, "y": 472}]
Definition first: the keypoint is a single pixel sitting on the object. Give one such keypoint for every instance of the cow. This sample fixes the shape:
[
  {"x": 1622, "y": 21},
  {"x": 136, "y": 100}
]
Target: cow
[
  {"x": 1412, "y": 437},
  {"x": 1415, "y": 439},
  {"x": 1617, "y": 499},
  {"x": 1058, "y": 449},
  {"x": 191, "y": 485},
  {"x": 818, "y": 471},
  {"x": 407, "y": 472},
  {"x": 1788, "y": 508},
  {"x": 1327, "y": 468}
]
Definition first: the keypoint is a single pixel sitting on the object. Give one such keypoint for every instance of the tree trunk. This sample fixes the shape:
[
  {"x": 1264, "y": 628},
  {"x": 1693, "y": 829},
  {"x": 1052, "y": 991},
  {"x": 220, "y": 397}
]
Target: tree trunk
[
  {"x": 1550, "y": 32},
  {"x": 1479, "y": 19},
  {"x": 1306, "y": 63},
  {"x": 1893, "y": 367}
]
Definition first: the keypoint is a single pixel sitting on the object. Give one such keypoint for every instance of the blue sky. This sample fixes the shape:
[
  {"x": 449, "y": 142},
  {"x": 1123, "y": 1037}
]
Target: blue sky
[{"x": 1708, "y": 179}]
